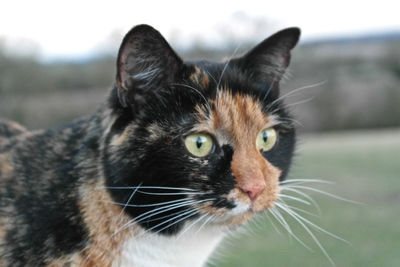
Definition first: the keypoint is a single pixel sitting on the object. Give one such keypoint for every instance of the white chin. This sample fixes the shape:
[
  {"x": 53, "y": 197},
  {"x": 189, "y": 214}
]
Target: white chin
[{"x": 239, "y": 209}]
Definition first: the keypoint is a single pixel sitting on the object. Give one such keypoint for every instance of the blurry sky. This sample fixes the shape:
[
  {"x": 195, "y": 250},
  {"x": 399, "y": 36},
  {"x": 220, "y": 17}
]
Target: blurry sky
[{"x": 71, "y": 29}]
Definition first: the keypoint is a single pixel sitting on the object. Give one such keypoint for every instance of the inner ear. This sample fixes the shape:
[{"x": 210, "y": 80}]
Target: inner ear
[{"x": 145, "y": 62}]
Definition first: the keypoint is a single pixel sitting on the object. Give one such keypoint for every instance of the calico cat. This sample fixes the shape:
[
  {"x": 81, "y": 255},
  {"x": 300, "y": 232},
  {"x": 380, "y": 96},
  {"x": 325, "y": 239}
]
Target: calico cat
[{"x": 179, "y": 154}]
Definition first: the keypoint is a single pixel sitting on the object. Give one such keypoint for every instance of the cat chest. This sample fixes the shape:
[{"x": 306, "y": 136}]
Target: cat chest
[{"x": 190, "y": 249}]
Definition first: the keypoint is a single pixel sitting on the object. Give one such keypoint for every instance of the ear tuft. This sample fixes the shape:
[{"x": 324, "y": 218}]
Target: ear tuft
[{"x": 145, "y": 62}]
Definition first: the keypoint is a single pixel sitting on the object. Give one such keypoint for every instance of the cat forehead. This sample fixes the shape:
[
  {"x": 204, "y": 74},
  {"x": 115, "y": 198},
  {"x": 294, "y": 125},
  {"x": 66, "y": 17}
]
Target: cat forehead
[{"x": 233, "y": 118}]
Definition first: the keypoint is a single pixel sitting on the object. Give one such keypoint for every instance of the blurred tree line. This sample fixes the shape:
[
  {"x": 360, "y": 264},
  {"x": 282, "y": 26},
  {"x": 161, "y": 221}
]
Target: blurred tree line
[{"x": 356, "y": 84}]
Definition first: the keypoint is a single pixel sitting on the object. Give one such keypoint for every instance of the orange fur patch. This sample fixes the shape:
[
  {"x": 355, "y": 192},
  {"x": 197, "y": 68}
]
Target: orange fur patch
[
  {"x": 104, "y": 219},
  {"x": 200, "y": 77}
]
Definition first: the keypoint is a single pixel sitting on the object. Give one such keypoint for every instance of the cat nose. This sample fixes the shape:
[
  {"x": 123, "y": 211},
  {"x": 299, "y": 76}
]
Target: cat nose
[{"x": 253, "y": 188}]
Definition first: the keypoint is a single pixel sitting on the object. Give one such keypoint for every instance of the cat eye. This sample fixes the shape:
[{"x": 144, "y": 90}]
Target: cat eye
[
  {"x": 266, "y": 139},
  {"x": 199, "y": 144}
]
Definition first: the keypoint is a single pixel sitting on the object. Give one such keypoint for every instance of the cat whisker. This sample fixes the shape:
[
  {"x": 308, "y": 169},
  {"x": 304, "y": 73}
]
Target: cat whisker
[
  {"x": 180, "y": 214},
  {"x": 299, "y": 102},
  {"x": 306, "y": 181},
  {"x": 167, "y": 208},
  {"x": 294, "y": 198},
  {"x": 291, "y": 189},
  {"x": 320, "y": 192},
  {"x": 278, "y": 216},
  {"x": 154, "y": 212},
  {"x": 181, "y": 219},
  {"x": 160, "y": 210},
  {"x": 130, "y": 198},
  {"x": 212, "y": 77},
  {"x": 270, "y": 87},
  {"x": 311, "y": 235},
  {"x": 144, "y": 205},
  {"x": 186, "y": 215},
  {"x": 314, "y": 225},
  {"x": 301, "y": 210},
  {"x": 146, "y": 187},
  {"x": 191, "y": 225},
  {"x": 224, "y": 69},
  {"x": 269, "y": 106},
  {"x": 287, "y": 119},
  {"x": 170, "y": 194},
  {"x": 287, "y": 106},
  {"x": 212, "y": 216},
  {"x": 166, "y": 216},
  {"x": 197, "y": 91},
  {"x": 226, "y": 65},
  {"x": 163, "y": 209},
  {"x": 272, "y": 223}
]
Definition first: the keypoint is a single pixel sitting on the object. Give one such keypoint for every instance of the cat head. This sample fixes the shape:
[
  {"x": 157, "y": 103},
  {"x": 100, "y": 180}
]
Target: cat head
[{"x": 199, "y": 140}]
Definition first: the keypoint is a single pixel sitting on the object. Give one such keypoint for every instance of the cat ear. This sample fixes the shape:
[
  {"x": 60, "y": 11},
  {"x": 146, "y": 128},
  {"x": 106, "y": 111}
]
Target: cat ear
[
  {"x": 268, "y": 61},
  {"x": 145, "y": 62}
]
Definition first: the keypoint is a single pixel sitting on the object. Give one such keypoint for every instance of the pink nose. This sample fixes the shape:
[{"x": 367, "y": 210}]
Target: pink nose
[{"x": 253, "y": 190}]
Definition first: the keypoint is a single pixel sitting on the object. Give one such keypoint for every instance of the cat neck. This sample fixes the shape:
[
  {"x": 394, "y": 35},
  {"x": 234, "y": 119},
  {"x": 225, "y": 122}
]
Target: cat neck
[{"x": 191, "y": 247}]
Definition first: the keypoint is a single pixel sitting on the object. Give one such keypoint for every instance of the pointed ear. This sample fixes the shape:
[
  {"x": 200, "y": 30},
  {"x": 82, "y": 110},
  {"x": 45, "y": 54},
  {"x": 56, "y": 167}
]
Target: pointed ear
[
  {"x": 145, "y": 62},
  {"x": 268, "y": 61}
]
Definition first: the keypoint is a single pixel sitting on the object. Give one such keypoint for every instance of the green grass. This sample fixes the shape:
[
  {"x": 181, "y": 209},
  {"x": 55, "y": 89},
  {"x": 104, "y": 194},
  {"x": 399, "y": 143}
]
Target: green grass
[{"x": 365, "y": 167}]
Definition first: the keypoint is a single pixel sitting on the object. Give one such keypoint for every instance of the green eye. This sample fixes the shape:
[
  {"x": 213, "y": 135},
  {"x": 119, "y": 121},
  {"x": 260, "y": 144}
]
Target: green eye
[
  {"x": 199, "y": 144},
  {"x": 266, "y": 139}
]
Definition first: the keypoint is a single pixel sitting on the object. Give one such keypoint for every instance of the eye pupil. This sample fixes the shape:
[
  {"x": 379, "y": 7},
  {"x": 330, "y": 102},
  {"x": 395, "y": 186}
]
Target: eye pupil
[
  {"x": 199, "y": 142},
  {"x": 265, "y": 137}
]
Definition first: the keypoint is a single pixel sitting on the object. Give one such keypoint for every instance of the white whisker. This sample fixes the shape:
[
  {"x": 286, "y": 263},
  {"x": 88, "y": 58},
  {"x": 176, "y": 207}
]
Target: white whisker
[
  {"x": 145, "y": 205},
  {"x": 290, "y": 189},
  {"x": 293, "y": 92},
  {"x": 147, "y": 187},
  {"x": 301, "y": 210},
  {"x": 308, "y": 231},
  {"x": 181, "y": 219},
  {"x": 205, "y": 222},
  {"x": 183, "y": 213},
  {"x": 200, "y": 93},
  {"x": 166, "y": 216},
  {"x": 323, "y": 193},
  {"x": 191, "y": 225},
  {"x": 295, "y": 199},
  {"x": 170, "y": 194},
  {"x": 170, "y": 207},
  {"x": 127, "y": 202},
  {"x": 153, "y": 212},
  {"x": 270, "y": 87},
  {"x": 306, "y": 181},
  {"x": 226, "y": 66},
  {"x": 298, "y": 102},
  {"x": 278, "y": 216},
  {"x": 272, "y": 223}
]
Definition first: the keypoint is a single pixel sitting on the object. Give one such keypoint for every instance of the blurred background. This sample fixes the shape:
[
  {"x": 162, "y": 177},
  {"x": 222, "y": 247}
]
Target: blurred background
[{"x": 57, "y": 62}]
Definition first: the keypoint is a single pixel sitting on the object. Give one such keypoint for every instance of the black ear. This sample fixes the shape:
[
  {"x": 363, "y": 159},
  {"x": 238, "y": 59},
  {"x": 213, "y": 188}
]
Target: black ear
[
  {"x": 145, "y": 62},
  {"x": 268, "y": 61}
]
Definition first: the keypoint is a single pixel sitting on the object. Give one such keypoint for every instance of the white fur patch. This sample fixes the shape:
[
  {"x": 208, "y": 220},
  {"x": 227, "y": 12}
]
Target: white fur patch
[{"x": 192, "y": 248}]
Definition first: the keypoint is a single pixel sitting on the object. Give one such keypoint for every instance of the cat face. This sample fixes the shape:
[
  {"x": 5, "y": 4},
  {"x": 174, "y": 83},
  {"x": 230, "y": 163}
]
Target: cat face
[{"x": 197, "y": 141}]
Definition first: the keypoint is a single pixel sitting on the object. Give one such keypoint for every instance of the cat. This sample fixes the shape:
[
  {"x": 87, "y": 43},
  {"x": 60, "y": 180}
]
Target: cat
[{"x": 180, "y": 154}]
